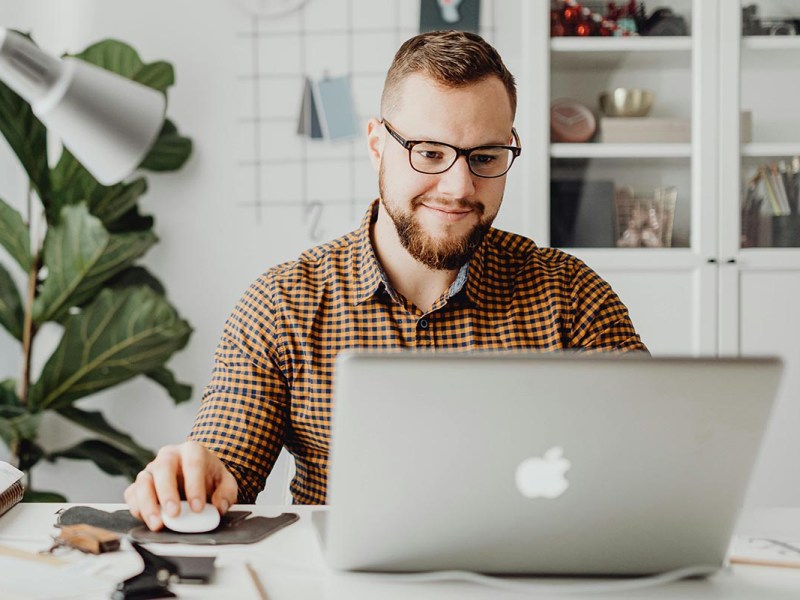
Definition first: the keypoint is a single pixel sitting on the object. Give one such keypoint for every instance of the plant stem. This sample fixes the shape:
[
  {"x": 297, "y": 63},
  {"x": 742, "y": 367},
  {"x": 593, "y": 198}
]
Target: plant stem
[
  {"x": 29, "y": 327},
  {"x": 28, "y": 333}
]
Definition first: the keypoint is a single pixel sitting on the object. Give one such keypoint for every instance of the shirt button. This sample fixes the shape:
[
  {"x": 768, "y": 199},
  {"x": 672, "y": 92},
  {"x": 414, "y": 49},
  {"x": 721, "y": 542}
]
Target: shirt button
[{"x": 423, "y": 323}]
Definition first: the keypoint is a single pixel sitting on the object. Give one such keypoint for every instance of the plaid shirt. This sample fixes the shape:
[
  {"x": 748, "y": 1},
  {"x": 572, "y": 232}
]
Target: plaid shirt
[{"x": 273, "y": 371}]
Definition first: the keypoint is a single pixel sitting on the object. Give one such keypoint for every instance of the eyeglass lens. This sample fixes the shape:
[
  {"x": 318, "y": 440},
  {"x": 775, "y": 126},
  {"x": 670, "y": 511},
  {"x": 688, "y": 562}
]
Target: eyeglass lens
[{"x": 432, "y": 158}]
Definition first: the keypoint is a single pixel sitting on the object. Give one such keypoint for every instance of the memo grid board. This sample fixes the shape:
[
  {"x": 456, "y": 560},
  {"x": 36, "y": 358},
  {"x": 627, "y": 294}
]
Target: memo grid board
[{"x": 327, "y": 181}]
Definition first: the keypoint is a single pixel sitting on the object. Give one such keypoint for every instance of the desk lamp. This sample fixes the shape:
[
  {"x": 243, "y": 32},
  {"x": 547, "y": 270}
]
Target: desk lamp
[{"x": 108, "y": 122}]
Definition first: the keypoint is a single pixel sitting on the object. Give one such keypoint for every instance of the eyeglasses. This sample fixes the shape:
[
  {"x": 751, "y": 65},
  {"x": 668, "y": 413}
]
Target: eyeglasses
[{"x": 433, "y": 158}]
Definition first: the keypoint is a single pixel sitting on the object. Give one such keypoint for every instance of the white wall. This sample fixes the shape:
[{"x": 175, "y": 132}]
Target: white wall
[{"x": 214, "y": 242}]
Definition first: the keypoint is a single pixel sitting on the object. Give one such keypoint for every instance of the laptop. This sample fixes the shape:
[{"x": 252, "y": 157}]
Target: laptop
[{"x": 540, "y": 463}]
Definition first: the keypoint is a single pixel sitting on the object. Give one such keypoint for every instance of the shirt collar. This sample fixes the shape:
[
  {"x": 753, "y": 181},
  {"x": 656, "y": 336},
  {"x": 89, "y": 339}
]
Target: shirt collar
[{"x": 369, "y": 274}]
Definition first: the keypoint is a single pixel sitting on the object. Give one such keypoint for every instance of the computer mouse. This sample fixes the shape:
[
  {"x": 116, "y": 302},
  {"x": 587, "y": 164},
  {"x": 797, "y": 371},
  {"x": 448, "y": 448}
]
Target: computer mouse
[{"x": 189, "y": 521}]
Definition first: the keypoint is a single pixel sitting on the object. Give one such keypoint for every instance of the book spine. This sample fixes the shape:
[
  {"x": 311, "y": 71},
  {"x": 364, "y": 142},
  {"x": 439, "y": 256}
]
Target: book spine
[{"x": 11, "y": 496}]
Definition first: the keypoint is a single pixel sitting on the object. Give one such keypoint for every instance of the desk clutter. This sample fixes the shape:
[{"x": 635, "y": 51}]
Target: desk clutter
[
  {"x": 95, "y": 548},
  {"x": 235, "y": 527}
]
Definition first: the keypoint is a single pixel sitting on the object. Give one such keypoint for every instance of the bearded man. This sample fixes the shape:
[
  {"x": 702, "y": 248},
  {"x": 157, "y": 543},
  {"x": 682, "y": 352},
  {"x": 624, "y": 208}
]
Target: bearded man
[{"x": 424, "y": 270}]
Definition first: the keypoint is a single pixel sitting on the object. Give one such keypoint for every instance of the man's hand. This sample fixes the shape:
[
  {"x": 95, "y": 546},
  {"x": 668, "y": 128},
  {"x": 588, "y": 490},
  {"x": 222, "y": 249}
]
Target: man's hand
[{"x": 188, "y": 469}]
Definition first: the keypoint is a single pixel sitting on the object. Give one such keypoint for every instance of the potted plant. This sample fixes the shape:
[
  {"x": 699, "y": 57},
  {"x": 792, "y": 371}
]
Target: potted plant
[{"x": 116, "y": 322}]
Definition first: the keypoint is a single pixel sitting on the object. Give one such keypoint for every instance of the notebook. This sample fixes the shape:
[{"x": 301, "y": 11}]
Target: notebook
[
  {"x": 11, "y": 489},
  {"x": 536, "y": 463}
]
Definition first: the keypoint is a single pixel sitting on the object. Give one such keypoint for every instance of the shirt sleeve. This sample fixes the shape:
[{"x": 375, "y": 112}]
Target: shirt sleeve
[
  {"x": 243, "y": 412},
  {"x": 600, "y": 319}
]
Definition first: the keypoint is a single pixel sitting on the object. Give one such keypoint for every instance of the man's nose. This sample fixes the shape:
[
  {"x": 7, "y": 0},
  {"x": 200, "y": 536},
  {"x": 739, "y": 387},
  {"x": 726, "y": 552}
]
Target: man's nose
[{"x": 457, "y": 181}]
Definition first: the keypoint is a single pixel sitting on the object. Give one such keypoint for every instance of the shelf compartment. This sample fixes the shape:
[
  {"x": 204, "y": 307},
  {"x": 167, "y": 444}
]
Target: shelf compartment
[
  {"x": 607, "y": 150},
  {"x": 621, "y": 44},
  {"x": 778, "y": 149},
  {"x": 771, "y": 42}
]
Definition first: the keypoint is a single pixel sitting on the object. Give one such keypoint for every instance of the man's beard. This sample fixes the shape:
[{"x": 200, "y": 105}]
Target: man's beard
[{"x": 439, "y": 255}]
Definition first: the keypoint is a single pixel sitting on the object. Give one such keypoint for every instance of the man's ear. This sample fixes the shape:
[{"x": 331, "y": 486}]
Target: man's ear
[{"x": 375, "y": 139}]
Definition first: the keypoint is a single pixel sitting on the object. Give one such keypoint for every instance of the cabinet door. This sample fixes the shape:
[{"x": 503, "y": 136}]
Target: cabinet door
[
  {"x": 609, "y": 199},
  {"x": 760, "y": 130},
  {"x": 768, "y": 324},
  {"x": 759, "y": 229}
]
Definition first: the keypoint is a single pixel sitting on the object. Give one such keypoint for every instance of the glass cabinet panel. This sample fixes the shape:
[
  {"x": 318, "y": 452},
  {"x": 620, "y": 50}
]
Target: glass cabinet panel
[{"x": 770, "y": 132}]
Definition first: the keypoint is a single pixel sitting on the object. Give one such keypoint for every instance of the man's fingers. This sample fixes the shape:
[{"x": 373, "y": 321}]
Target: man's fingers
[
  {"x": 227, "y": 491},
  {"x": 165, "y": 478},
  {"x": 147, "y": 501},
  {"x": 194, "y": 465},
  {"x": 130, "y": 500}
]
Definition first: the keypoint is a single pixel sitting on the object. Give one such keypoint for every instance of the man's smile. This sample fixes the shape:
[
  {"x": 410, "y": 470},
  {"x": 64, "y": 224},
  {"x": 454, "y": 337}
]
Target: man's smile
[{"x": 447, "y": 213}]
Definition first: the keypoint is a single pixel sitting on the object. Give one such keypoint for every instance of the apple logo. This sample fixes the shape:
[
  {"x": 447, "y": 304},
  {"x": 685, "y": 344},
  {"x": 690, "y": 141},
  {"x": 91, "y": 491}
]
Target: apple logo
[{"x": 543, "y": 477}]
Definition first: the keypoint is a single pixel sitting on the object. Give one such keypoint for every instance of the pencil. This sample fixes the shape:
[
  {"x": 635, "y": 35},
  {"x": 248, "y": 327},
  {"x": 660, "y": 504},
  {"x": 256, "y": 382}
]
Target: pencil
[{"x": 262, "y": 593}]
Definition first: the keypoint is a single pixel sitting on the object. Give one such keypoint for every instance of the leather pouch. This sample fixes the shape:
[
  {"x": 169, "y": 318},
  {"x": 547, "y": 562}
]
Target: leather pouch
[{"x": 234, "y": 527}]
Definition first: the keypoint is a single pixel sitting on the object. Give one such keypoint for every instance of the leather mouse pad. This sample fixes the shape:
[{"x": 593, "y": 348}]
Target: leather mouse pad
[{"x": 234, "y": 527}]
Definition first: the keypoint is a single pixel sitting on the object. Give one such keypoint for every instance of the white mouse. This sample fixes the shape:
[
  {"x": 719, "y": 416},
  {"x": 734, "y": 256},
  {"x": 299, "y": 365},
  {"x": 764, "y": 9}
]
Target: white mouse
[{"x": 189, "y": 521}]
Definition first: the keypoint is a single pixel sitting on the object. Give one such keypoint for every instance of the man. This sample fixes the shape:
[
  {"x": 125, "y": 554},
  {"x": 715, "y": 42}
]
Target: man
[{"x": 424, "y": 270}]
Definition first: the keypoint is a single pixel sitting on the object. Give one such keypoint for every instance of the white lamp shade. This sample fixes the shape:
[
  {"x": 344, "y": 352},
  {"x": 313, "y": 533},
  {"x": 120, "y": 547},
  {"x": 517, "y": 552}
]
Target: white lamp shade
[{"x": 108, "y": 122}]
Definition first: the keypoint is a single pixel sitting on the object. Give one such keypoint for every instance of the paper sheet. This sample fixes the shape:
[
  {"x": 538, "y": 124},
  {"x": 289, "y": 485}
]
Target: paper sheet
[{"x": 770, "y": 552}]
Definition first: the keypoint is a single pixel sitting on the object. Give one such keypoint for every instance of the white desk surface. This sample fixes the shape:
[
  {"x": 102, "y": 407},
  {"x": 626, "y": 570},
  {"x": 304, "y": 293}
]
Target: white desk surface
[{"x": 291, "y": 567}]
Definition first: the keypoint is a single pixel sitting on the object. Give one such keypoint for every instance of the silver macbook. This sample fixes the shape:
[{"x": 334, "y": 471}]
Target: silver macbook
[{"x": 536, "y": 463}]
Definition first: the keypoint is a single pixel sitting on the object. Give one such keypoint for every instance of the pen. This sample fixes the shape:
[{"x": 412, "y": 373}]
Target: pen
[{"x": 262, "y": 593}]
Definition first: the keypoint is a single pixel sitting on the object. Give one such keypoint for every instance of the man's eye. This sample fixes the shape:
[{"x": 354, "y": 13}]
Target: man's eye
[
  {"x": 483, "y": 159},
  {"x": 430, "y": 154}
]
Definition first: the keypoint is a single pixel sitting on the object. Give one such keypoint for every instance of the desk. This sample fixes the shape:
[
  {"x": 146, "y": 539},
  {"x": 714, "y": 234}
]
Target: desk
[{"x": 291, "y": 567}]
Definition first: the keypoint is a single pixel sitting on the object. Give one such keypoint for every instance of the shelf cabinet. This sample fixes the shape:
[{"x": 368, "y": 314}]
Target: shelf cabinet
[
  {"x": 670, "y": 291},
  {"x": 720, "y": 289}
]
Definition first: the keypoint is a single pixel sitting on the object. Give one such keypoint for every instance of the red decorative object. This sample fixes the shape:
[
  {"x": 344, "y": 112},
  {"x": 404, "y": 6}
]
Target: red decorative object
[{"x": 570, "y": 18}]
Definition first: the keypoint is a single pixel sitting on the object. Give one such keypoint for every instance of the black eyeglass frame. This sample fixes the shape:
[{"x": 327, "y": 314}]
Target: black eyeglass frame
[{"x": 409, "y": 145}]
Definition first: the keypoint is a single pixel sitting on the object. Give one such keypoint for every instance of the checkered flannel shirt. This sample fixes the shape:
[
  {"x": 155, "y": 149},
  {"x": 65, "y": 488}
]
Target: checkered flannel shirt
[{"x": 273, "y": 369}]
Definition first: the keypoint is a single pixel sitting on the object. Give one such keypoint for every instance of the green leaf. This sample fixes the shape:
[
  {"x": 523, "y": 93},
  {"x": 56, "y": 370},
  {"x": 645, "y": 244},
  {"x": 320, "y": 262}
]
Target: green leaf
[
  {"x": 170, "y": 151},
  {"x": 132, "y": 221},
  {"x": 11, "y": 312},
  {"x": 96, "y": 422},
  {"x": 80, "y": 255},
  {"x": 16, "y": 422},
  {"x": 137, "y": 276},
  {"x": 8, "y": 394},
  {"x": 37, "y": 496},
  {"x": 109, "y": 458},
  {"x": 158, "y": 75},
  {"x": 27, "y": 137},
  {"x": 29, "y": 453},
  {"x": 179, "y": 392},
  {"x": 122, "y": 59},
  {"x": 18, "y": 425},
  {"x": 73, "y": 184},
  {"x": 111, "y": 204},
  {"x": 14, "y": 236},
  {"x": 123, "y": 333},
  {"x": 115, "y": 56}
]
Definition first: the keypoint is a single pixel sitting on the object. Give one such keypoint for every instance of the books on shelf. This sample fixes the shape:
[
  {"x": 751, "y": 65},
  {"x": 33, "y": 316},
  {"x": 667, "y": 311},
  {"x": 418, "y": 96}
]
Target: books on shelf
[
  {"x": 11, "y": 488},
  {"x": 665, "y": 130},
  {"x": 633, "y": 130}
]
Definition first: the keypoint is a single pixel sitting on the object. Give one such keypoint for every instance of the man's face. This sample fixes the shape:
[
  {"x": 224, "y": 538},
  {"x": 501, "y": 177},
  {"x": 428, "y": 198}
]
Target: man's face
[{"x": 441, "y": 219}]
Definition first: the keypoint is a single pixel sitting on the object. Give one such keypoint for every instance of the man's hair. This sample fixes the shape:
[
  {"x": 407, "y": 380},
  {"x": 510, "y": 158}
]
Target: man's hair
[{"x": 450, "y": 58}]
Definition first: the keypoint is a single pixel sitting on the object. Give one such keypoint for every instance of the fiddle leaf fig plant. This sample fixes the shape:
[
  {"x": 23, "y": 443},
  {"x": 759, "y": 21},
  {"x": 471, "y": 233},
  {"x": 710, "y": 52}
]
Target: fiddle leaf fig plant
[{"x": 82, "y": 274}]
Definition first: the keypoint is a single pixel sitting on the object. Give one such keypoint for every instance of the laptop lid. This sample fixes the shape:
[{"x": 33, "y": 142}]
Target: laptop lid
[{"x": 540, "y": 463}]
